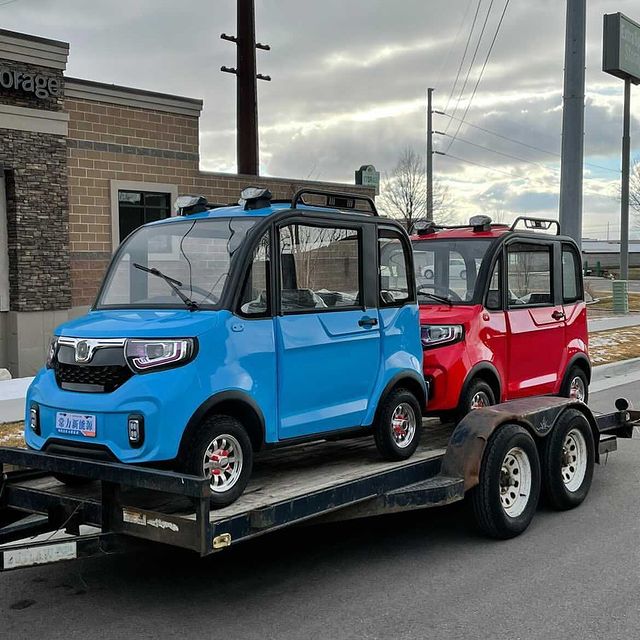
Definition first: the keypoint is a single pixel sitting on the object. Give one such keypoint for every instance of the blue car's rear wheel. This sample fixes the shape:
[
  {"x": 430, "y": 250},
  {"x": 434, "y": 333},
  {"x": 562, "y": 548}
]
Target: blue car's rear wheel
[
  {"x": 398, "y": 425},
  {"x": 221, "y": 451}
]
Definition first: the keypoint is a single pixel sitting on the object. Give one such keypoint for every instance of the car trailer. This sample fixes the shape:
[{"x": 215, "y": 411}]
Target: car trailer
[{"x": 498, "y": 456}]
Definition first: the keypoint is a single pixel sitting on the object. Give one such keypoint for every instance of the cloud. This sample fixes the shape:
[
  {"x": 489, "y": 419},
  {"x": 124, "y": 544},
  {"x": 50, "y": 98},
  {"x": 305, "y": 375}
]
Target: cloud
[{"x": 349, "y": 81}]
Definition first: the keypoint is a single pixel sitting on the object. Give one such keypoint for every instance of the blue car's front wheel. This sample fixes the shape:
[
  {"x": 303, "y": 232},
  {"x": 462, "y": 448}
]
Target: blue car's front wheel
[
  {"x": 220, "y": 450},
  {"x": 398, "y": 425}
]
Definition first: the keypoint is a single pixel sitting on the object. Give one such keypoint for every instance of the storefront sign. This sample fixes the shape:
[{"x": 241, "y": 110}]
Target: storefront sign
[
  {"x": 621, "y": 50},
  {"x": 368, "y": 176},
  {"x": 42, "y": 87}
]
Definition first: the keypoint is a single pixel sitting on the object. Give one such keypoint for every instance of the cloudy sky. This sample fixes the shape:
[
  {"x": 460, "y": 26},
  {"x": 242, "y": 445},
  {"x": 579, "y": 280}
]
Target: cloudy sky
[{"x": 349, "y": 81}]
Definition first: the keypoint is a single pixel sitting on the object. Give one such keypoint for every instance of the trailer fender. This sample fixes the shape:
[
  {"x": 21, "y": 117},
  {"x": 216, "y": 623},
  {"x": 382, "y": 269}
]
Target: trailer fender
[{"x": 465, "y": 451}]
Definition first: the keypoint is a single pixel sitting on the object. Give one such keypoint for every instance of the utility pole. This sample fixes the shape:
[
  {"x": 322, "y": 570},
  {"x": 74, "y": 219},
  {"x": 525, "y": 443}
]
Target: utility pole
[
  {"x": 624, "y": 200},
  {"x": 571, "y": 166},
  {"x": 246, "y": 87},
  {"x": 429, "y": 155}
]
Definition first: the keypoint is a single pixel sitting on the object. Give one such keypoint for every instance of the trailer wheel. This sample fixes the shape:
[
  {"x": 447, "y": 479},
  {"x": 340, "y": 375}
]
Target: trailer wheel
[
  {"x": 505, "y": 500},
  {"x": 398, "y": 425},
  {"x": 567, "y": 461},
  {"x": 221, "y": 450}
]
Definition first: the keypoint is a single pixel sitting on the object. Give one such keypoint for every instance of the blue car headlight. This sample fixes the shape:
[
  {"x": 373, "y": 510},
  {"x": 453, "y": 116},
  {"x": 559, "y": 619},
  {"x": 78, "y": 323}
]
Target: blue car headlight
[
  {"x": 151, "y": 355},
  {"x": 436, "y": 335}
]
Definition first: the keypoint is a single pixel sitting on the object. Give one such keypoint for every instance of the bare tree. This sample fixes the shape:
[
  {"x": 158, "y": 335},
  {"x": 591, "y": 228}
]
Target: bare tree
[
  {"x": 634, "y": 188},
  {"x": 404, "y": 192}
]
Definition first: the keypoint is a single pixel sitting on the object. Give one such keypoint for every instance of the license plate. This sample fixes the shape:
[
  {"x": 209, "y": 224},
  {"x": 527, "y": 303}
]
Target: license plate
[{"x": 76, "y": 424}]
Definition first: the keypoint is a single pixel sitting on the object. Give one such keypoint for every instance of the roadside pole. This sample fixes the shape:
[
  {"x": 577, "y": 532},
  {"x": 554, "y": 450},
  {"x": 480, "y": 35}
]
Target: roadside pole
[
  {"x": 571, "y": 165},
  {"x": 624, "y": 200},
  {"x": 429, "y": 154}
]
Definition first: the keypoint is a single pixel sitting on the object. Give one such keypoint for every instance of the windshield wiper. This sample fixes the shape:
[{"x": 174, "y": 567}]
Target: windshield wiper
[
  {"x": 434, "y": 296},
  {"x": 173, "y": 283}
]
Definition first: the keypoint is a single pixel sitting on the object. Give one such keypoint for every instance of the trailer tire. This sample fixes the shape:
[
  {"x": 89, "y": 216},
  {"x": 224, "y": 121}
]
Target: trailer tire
[
  {"x": 398, "y": 425},
  {"x": 222, "y": 444},
  {"x": 500, "y": 509},
  {"x": 568, "y": 458}
]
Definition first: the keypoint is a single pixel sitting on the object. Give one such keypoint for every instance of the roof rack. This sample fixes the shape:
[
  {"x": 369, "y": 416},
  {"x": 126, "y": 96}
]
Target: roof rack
[
  {"x": 536, "y": 224},
  {"x": 334, "y": 200}
]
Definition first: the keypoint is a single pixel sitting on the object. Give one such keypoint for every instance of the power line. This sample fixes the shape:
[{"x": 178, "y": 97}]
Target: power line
[
  {"x": 500, "y": 153},
  {"x": 464, "y": 55},
  {"x": 477, "y": 164},
  {"x": 453, "y": 44},
  {"x": 524, "y": 144},
  {"x": 475, "y": 53},
  {"x": 484, "y": 66}
]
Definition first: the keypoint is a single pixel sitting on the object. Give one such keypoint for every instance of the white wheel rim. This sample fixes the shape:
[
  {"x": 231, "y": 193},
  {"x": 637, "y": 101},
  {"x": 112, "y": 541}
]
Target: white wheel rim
[
  {"x": 222, "y": 463},
  {"x": 576, "y": 389},
  {"x": 515, "y": 482},
  {"x": 403, "y": 425},
  {"x": 480, "y": 400},
  {"x": 574, "y": 460}
]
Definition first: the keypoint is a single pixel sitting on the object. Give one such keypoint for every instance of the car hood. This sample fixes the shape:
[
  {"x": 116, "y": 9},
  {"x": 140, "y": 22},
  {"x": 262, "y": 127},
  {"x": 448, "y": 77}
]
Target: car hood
[
  {"x": 140, "y": 323},
  {"x": 444, "y": 314}
]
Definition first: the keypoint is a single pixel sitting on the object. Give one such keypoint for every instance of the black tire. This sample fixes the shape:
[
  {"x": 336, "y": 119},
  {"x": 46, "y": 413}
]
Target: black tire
[
  {"x": 428, "y": 274},
  {"x": 561, "y": 482},
  {"x": 477, "y": 387},
  {"x": 575, "y": 373},
  {"x": 193, "y": 455},
  {"x": 71, "y": 481},
  {"x": 463, "y": 274},
  {"x": 489, "y": 513},
  {"x": 387, "y": 440}
]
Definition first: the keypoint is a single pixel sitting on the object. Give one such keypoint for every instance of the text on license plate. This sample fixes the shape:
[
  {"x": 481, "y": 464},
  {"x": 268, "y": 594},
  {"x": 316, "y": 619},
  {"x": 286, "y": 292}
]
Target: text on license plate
[{"x": 76, "y": 424}]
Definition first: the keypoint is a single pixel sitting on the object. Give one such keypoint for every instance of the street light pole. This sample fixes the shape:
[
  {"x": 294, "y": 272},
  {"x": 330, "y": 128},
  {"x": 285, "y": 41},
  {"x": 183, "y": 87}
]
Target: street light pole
[
  {"x": 624, "y": 200},
  {"x": 571, "y": 165}
]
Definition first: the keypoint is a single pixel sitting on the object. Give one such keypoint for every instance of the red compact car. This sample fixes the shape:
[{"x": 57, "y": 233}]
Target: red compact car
[{"x": 502, "y": 313}]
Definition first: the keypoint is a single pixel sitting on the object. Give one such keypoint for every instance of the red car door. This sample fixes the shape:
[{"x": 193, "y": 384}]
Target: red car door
[
  {"x": 575, "y": 310},
  {"x": 535, "y": 320}
]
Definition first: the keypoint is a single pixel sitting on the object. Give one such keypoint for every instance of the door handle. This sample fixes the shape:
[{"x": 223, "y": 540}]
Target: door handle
[
  {"x": 558, "y": 315},
  {"x": 368, "y": 321}
]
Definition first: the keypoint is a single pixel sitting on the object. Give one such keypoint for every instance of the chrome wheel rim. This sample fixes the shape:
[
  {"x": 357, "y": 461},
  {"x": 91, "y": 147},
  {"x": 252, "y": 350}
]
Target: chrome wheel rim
[
  {"x": 576, "y": 389},
  {"x": 403, "y": 425},
  {"x": 574, "y": 460},
  {"x": 515, "y": 482},
  {"x": 480, "y": 400},
  {"x": 222, "y": 463}
]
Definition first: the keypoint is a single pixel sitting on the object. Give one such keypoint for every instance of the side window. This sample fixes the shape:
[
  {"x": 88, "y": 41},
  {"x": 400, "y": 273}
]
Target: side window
[
  {"x": 394, "y": 269},
  {"x": 255, "y": 300},
  {"x": 320, "y": 268},
  {"x": 571, "y": 289},
  {"x": 494, "y": 295},
  {"x": 529, "y": 274}
]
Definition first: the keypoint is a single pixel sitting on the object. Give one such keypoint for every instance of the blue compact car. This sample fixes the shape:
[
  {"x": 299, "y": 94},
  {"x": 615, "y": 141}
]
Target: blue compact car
[{"x": 226, "y": 330}]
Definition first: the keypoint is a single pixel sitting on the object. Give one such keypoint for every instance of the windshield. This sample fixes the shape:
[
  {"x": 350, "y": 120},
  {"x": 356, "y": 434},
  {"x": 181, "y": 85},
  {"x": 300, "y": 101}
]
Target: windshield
[
  {"x": 448, "y": 269},
  {"x": 175, "y": 264}
]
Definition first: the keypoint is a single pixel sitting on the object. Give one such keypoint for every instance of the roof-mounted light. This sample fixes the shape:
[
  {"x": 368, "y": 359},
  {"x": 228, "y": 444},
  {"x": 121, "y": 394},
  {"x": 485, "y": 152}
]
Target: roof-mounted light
[
  {"x": 255, "y": 198},
  {"x": 480, "y": 223},
  {"x": 186, "y": 205}
]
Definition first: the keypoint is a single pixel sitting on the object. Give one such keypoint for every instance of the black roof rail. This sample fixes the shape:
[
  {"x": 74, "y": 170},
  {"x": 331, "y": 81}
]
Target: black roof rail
[
  {"x": 335, "y": 200},
  {"x": 536, "y": 224}
]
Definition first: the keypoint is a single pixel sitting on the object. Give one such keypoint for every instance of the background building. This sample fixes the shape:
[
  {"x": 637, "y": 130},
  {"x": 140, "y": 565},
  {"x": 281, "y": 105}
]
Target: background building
[{"x": 81, "y": 165}]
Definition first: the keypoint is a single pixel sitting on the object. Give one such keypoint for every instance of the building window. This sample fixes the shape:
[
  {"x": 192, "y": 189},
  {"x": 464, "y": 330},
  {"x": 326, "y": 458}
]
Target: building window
[{"x": 136, "y": 208}]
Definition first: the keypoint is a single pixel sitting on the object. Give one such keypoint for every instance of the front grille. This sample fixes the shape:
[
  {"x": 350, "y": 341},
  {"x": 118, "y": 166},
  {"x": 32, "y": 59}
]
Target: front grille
[{"x": 91, "y": 379}]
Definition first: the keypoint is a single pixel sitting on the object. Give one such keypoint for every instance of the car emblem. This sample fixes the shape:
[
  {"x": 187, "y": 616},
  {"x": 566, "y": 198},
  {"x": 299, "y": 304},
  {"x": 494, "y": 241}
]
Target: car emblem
[{"x": 84, "y": 351}]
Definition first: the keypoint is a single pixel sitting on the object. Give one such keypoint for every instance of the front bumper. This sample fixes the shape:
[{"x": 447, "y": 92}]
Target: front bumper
[{"x": 165, "y": 399}]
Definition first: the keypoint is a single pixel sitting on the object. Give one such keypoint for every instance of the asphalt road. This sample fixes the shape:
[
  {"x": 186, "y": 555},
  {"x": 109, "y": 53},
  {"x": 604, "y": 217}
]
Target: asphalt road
[{"x": 421, "y": 575}]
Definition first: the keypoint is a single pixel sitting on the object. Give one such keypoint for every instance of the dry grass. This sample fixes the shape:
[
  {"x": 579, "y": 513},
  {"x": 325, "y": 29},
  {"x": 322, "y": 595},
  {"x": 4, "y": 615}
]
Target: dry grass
[
  {"x": 614, "y": 345},
  {"x": 605, "y": 302},
  {"x": 11, "y": 434}
]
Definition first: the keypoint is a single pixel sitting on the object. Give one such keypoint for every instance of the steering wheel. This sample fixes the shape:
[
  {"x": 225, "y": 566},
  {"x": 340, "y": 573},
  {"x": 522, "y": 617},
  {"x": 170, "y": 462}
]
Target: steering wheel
[{"x": 437, "y": 289}]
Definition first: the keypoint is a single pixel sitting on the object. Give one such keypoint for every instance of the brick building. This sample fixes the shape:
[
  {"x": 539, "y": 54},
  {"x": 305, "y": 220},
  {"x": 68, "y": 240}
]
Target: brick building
[{"x": 81, "y": 165}]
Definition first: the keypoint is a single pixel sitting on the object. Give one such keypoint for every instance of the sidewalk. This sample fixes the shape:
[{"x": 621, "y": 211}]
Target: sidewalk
[{"x": 613, "y": 322}]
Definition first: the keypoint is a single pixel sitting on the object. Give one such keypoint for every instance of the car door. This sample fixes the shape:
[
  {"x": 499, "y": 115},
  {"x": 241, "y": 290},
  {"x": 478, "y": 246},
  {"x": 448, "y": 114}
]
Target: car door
[
  {"x": 573, "y": 305},
  {"x": 328, "y": 337},
  {"x": 535, "y": 319}
]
